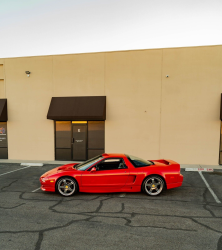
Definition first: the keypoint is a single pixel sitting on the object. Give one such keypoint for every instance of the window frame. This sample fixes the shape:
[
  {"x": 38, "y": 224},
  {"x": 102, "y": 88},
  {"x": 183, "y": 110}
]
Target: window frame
[{"x": 121, "y": 158}]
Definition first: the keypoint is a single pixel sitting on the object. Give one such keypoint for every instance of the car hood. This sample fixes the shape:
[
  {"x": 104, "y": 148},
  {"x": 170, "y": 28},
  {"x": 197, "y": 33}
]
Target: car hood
[{"x": 67, "y": 167}]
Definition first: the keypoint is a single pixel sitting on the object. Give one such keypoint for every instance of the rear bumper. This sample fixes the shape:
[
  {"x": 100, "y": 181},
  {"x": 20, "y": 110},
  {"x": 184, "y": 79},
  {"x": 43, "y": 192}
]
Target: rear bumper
[
  {"x": 180, "y": 178},
  {"x": 176, "y": 184}
]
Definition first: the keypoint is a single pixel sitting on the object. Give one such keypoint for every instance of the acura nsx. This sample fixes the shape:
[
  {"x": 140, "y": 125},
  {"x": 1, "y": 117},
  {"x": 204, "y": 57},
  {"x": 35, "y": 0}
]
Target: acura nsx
[{"x": 109, "y": 173}]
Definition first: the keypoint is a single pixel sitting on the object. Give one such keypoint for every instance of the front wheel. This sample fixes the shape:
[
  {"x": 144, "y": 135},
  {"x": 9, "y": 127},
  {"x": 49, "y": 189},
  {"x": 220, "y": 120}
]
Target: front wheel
[
  {"x": 153, "y": 185},
  {"x": 67, "y": 186}
]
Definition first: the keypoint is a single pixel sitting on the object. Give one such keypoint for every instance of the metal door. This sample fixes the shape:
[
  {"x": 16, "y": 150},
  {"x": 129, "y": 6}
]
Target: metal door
[{"x": 79, "y": 141}]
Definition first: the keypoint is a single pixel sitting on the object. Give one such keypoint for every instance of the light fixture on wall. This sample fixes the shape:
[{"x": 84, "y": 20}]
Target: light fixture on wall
[{"x": 28, "y": 73}]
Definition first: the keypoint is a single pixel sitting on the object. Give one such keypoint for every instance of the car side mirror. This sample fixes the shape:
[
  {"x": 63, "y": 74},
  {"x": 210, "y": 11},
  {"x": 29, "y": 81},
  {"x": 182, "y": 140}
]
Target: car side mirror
[{"x": 93, "y": 169}]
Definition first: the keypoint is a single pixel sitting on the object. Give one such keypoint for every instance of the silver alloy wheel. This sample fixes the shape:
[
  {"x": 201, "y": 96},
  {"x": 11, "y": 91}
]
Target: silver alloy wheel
[
  {"x": 153, "y": 185},
  {"x": 66, "y": 186}
]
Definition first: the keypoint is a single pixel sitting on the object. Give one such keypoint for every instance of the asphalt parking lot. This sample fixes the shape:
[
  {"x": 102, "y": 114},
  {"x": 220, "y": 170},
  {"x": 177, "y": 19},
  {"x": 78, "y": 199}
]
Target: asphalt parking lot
[{"x": 183, "y": 218}]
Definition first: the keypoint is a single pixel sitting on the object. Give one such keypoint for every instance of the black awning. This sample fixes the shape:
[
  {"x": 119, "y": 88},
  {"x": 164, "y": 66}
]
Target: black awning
[
  {"x": 80, "y": 108},
  {"x": 3, "y": 110}
]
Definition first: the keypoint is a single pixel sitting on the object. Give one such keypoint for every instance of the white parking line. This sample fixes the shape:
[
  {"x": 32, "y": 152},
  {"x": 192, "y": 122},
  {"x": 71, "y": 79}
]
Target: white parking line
[
  {"x": 35, "y": 190},
  {"x": 212, "y": 192},
  {"x": 15, "y": 170},
  {"x": 122, "y": 195}
]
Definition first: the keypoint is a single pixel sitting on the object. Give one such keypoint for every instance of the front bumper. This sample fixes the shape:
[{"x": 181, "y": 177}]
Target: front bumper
[
  {"x": 47, "y": 185},
  {"x": 47, "y": 188}
]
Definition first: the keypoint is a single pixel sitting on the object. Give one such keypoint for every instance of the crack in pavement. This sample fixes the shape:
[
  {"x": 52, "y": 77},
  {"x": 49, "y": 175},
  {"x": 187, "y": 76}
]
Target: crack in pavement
[
  {"x": 123, "y": 208},
  {"x": 207, "y": 227},
  {"x": 101, "y": 204},
  {"x": 56, "y": 204},
  {"x": 12, "y": 207},
  {"x": 8, "y": 185}
]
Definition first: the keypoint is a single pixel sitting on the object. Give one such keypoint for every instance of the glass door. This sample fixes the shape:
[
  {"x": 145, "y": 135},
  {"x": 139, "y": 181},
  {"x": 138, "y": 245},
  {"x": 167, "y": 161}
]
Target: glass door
[{"x": 79, "y": 140}]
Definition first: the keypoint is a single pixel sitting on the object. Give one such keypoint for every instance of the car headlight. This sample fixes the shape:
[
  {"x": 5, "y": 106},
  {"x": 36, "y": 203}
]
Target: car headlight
[{"x": 43, "y": 179}]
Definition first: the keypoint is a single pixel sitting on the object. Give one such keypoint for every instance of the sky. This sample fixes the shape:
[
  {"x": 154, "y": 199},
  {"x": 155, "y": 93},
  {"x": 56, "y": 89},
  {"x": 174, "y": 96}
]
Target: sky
[{"x": 49, "y": 27}]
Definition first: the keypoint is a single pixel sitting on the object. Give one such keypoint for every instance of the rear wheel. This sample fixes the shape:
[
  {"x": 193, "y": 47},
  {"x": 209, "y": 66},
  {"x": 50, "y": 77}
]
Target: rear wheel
[
  {"x": 153, "y": 185},
  {"x": 67, "y": 186}
]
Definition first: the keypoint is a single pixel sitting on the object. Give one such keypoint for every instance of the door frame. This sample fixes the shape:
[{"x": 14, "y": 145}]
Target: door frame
[{"x": 71, "y": 138}]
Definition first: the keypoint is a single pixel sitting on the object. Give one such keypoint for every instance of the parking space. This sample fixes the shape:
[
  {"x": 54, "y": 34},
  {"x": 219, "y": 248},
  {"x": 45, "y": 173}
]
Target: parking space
[
  {"x": 183, "y": 218},
  {"x": 215, "y": 181}
]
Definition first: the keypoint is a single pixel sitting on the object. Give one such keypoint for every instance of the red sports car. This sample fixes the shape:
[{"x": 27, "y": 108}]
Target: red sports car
[{"x": 109, "y": 173}]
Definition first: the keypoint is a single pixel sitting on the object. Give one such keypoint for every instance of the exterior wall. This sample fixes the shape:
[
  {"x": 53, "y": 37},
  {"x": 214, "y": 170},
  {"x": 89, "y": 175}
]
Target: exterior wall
[
  {"x": 78, "y": 75},
  {"x": 30, "y": 134},
  {"x": 2, "y": 79},
  {"x": 190, "y": 121},
  {"x": 133, "y": 90},
  {"x": 148, "y": 115}
]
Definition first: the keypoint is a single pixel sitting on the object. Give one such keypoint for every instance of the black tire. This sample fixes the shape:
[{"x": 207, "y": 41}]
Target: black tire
[
  {"x": 153, "y": 185},
  {"x": 66, "y": 186}
]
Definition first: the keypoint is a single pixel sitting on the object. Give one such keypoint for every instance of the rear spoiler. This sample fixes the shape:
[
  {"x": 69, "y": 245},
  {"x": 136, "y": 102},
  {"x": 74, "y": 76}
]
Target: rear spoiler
[{"x": 166, "y": 162}]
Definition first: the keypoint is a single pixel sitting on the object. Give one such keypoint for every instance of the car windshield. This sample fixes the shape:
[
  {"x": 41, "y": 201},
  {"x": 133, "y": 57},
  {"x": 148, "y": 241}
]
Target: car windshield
[
  {"x": 85, "y": 165},
  {"x": 137, "y": 162}
]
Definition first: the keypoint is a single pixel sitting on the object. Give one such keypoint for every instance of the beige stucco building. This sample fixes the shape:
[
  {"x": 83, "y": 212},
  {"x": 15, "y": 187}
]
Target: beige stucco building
[{"x": 160, "y": 103}]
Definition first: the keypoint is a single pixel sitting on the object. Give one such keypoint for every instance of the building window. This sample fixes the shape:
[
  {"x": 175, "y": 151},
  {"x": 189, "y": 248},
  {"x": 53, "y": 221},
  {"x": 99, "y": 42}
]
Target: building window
[
  {"x": 96, "y": 136},
  {"x": 3, "y": 141},
  {"x": 63, "y": 140},
  {"x": 220, "y": 153}
]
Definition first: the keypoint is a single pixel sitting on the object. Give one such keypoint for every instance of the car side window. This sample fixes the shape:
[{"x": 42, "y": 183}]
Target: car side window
[{"x": 111, "y": 164}]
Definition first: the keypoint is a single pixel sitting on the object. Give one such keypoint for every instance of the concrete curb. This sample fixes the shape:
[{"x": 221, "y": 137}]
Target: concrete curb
[
  {"x": 201, "y": 166},
  {"x": 32, "y": 164},
  {"x": 28, "y": 162}
]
